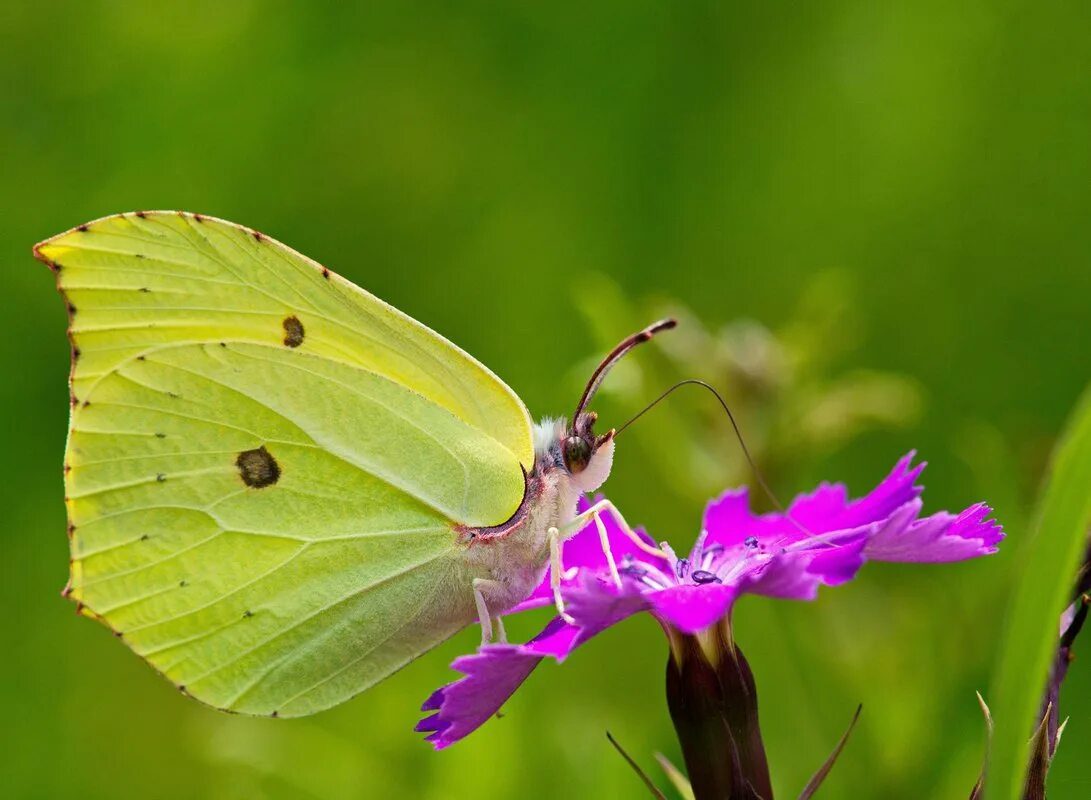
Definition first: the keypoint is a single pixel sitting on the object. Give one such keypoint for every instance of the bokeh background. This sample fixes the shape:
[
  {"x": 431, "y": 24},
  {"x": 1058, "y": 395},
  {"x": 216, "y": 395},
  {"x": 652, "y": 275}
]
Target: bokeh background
[{"x": 873, "y": 219}]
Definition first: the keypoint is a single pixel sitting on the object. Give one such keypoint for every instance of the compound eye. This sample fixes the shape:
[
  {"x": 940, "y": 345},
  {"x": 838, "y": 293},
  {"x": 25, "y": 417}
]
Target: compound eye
[{"x": 577, "y": 454}]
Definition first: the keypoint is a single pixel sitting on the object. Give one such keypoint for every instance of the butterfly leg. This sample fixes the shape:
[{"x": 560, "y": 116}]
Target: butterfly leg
[
  {"x": 556, "y": 572},
  {"x": 594, "y": 513},
  {"x": 481, "y": 586}
]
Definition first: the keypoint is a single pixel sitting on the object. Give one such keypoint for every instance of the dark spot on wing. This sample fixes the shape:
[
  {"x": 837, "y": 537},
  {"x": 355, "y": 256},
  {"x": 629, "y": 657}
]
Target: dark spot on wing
[
  {"x": 325, "y": 273},
  {"x": 140, "y": 358},
  {"x": 53, "y": 265},
  {"x": 198, "y": 218},
  {"x": 144, "y": 538},
  {"x": 258, "y": 236},
  {"x": 67, "y": 468},
  {"x": 293, "y": 332},
  {"x": 139, "y": 255},
  {"x": 145, "y": 289},
  {"x": 275, "y": 714},
  {"x": 160, "y": 477},
  {"x": 82, "y": 229},
  {"x": 71, "y": 309},
  {"x": 141, "y": 214},
  {"x": 86, "y": 403},
  {"x": 258, "y": 468},
  {"x": 71, "y": 530},
  {"x": 182, "y": 584},
  {"x": 67, "y": 590},
  {"x": 175, "y": 395},
  {"x": 74, "y": 401},
  {"x": 75, "y": 353},
  {"x": 247, "y": 614},
  {"x": 223, "y": 344},
  {"x": 118, "y": 634},
  {"x": 160, "y": 435}
]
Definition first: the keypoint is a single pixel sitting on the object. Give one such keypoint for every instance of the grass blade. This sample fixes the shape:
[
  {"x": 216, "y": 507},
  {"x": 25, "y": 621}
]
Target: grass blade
[{"x": 1043, "y": 590}]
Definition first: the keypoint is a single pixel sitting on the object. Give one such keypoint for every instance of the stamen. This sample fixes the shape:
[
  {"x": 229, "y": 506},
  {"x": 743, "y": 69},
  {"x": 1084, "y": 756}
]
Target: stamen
[
  {"x": 646, "y": 574},
  {"x": 701, "y": 577},
  {"x": 672, "y": 559},
  {"x": 751, "y": 542},
  {"x": 742, "y": 564},
  {"x": 699, "y": 545},
  {"x": 681, "y": 568},
  {"x": 811, "y": 541},
  {"x": 709, "y": 555}
]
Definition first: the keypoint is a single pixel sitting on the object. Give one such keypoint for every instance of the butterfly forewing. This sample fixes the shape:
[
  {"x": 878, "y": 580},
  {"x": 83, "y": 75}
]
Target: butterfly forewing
[{"x": 265, "y": 463}]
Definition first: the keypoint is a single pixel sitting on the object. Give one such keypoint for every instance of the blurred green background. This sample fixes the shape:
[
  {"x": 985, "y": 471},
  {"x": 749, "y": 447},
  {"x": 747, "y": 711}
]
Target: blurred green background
[{"x": 873, "y": 218}]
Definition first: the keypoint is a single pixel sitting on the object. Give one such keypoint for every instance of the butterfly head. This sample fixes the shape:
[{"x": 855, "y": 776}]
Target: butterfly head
[{"x": 587, "y": 457}]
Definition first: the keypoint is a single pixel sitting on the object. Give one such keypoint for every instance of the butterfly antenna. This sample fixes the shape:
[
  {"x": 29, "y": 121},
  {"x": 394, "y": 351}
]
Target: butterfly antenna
[
  {"x": 734, "y": 424},
  {"x": 613, "y": 357}
]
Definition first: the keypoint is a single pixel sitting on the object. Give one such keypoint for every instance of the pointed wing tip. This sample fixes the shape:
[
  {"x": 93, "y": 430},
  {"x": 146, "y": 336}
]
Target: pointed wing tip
[
  {"x": 87, "y": 227},
  {"x": 42, "y": 250}
]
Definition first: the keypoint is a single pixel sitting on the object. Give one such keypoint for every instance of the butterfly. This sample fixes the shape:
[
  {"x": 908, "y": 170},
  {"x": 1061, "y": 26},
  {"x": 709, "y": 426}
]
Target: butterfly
[{"x": 280, "y": 489}]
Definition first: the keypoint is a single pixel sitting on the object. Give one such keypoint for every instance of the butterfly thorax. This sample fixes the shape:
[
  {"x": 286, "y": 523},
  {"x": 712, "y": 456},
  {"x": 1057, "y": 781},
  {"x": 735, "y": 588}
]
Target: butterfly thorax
[{"x": 516, "y": 553}]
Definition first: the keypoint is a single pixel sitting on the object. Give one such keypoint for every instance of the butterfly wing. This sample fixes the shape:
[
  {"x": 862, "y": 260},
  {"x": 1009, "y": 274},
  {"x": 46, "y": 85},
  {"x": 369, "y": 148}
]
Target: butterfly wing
[{"x": 265, "y": 464}]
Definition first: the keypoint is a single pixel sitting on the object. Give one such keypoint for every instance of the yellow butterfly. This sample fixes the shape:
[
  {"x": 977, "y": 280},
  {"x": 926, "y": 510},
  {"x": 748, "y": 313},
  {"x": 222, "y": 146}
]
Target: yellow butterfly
[{"x": 281, "y": 489}]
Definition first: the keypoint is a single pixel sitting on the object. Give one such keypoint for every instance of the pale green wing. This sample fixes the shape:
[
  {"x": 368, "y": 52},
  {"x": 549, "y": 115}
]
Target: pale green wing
[{"x": 266, "y": 464}]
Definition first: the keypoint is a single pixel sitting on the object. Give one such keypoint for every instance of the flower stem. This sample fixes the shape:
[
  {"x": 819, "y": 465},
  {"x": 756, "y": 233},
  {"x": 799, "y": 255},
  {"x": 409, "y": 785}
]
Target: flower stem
[{"x": 714, "y": 706}]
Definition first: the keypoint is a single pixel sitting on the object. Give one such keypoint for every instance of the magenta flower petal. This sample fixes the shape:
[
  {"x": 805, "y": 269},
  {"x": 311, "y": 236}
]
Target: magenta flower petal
[
  {"x": 797, "y": 575},
  {"x": 729, "y": 520},
  {"x": 492, "y": 675},
  {"x": 495, "y": 671},
  {"x": 940, "y": 537},
  {"x": 893, "y": 492},
  {"x": 692, "y": 608}
]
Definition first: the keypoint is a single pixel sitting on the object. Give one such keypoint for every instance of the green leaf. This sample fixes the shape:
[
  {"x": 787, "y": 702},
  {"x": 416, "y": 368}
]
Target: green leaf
[{"x": 1043, "y": 589}]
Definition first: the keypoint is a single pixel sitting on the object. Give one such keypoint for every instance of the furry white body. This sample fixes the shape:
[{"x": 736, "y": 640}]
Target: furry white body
[{"x": 508, "y": 564}]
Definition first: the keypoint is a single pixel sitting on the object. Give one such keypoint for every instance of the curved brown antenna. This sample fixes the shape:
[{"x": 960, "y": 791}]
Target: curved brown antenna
[
  {"x": 738, "y": 435},
  {"x": 734, "y": 424},
  {"x": 616, "y": 355}
]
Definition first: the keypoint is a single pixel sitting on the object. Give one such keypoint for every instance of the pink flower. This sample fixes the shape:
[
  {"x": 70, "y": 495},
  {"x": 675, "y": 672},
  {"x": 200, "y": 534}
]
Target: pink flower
[{"x": 823, "y": 539}]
